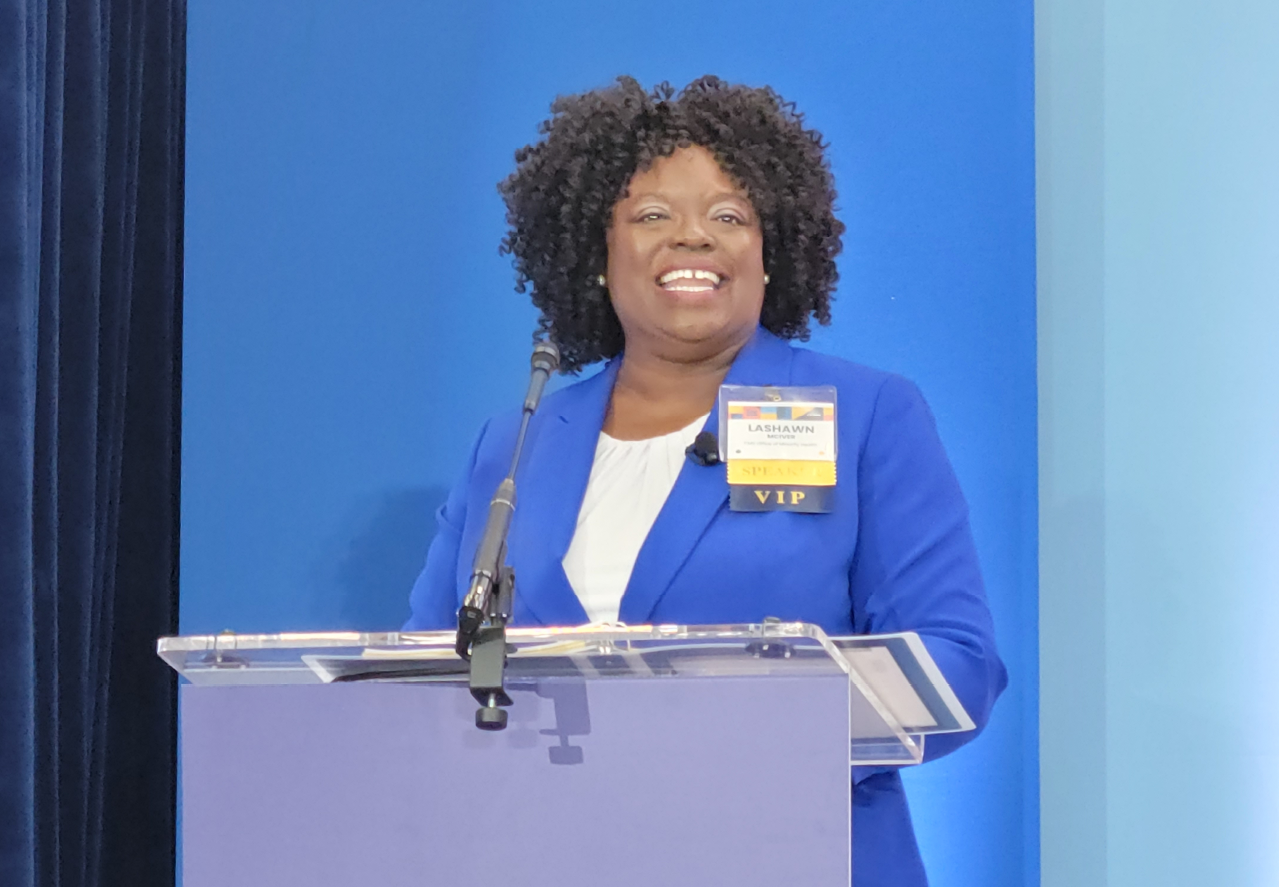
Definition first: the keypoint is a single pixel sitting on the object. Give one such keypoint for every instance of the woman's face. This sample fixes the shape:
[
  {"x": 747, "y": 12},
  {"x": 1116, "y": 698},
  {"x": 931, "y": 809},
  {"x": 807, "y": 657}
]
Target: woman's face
[{"x": 685, "y": 260}]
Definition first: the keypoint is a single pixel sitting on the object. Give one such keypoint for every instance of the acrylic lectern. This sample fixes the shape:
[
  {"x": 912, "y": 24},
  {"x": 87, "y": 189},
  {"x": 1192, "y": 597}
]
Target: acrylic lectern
[{"x": 647, "y": 755}]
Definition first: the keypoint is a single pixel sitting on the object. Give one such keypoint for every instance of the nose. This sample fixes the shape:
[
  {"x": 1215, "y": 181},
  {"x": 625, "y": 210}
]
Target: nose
[{"x": 692, "y": 234}]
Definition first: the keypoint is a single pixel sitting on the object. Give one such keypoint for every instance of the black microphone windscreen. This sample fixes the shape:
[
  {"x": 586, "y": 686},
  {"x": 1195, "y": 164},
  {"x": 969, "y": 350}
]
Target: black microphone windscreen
[{"x": 705, "y": 449}]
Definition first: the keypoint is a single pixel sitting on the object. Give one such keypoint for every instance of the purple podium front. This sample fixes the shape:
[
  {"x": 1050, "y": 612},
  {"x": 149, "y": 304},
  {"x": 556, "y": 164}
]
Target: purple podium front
[{"x": 633, "y": 756}]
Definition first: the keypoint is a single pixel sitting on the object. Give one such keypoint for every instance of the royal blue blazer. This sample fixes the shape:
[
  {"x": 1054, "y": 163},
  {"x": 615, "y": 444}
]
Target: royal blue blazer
[{"x": 895, "y": 554}]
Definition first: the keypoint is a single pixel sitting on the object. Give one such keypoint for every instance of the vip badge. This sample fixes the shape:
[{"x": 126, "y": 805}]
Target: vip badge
[{"x": 780, "y": 446}]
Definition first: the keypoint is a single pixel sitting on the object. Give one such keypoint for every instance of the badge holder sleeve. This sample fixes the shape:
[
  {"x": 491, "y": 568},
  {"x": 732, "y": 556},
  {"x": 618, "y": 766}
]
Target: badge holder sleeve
[{"x": 772, "y": 395}]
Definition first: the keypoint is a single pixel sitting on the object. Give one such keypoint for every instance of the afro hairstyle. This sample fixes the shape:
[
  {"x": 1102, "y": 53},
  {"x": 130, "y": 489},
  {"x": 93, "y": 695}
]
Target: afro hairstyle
[{"x": 560, "y": 201}]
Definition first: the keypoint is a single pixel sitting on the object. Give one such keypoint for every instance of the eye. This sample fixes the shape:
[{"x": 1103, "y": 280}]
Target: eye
[
  {"x": 731, "y": 218},
  {"x": 651, "y": 215}
]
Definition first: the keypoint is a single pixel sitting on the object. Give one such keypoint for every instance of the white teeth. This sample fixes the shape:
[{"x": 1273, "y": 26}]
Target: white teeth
[{"x": 689, "y": 274}]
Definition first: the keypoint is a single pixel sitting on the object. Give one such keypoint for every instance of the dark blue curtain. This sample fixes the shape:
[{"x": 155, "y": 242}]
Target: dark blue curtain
[{"x": 91, "y": 159}]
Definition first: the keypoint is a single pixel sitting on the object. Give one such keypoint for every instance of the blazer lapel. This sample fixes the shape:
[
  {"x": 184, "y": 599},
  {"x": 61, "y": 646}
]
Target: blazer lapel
[
  {"x": 699, "y": 492},
  {"x": 550, "y": 486}
]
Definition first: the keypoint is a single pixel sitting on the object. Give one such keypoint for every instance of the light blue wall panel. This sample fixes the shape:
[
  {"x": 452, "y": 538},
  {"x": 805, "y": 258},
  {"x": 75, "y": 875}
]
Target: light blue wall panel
[
  {"x": 1160, "y": 372},
  {"x": 1070, "y": 141},
  {"x": 343, "y": 279}
]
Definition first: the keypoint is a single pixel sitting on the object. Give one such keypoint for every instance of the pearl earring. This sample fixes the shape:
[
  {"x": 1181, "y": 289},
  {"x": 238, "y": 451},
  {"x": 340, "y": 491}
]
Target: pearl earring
[
  {"x": 601, "y": 280},
  {"x": 765, "y": 280}
]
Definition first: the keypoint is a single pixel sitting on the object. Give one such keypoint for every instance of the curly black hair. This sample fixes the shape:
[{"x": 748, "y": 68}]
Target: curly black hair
[{"x": 560, "y": 200}]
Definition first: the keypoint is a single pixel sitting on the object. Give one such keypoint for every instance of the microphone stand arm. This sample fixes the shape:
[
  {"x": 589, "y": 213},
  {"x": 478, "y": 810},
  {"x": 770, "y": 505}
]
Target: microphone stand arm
[
  {"x": 488, "y": 655},
  {"x": 481, "y": 622},
  {"x": 482, "y": 618}
]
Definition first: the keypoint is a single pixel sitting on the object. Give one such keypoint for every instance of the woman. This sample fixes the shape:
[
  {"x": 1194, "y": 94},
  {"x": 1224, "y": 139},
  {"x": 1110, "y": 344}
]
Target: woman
[{"x": 684, "y": 239}]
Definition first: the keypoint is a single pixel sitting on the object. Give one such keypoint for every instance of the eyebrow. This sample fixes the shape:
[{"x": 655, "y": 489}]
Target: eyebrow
[{"x": 715, "y": 198}]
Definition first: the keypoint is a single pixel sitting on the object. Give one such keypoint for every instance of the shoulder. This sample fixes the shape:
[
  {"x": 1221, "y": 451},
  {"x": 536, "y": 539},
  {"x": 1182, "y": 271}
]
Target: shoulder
[
  {"x": 814, "y": 367},
  {"x": 866, "y": 395}
]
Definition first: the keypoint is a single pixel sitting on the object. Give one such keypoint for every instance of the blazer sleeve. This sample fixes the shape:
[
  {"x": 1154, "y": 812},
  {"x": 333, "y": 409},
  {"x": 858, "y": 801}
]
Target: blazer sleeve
[
  {"x": 915, "y": 567},
  {"x": 433, "y": 602}
]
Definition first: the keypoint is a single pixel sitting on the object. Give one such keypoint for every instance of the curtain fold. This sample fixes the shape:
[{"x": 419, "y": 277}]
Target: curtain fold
[{"x": 91, "y": 163}]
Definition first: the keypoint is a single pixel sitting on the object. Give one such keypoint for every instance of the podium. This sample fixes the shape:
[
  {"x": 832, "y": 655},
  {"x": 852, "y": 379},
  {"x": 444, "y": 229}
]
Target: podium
[{"x": 672, "y": 755}]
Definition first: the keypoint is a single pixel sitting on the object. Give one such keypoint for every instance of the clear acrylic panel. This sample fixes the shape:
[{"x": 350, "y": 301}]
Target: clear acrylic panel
[{"x": 594, "y": 652}]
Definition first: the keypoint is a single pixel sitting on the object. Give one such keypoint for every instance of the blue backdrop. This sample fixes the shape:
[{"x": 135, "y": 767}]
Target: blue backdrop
[{"x": 342, "y": 274}]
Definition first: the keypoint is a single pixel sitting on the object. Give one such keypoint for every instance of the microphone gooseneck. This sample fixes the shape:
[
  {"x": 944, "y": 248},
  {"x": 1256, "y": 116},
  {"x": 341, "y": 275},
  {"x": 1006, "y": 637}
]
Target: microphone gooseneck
[
  {"x": 489, "y": 553},
  {"x": 481, "y": 620}
]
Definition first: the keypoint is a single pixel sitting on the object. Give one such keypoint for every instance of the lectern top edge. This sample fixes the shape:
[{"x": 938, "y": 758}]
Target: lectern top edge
[{"x": 896, "y": 693}]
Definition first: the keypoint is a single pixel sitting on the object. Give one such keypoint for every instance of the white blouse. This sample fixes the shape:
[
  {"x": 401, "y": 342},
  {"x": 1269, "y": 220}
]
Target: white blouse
[{"x": 630, "y": 481}]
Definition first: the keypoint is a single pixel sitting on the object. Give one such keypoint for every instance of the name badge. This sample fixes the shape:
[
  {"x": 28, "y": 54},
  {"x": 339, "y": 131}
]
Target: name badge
[{"x": 780, "y": 447}]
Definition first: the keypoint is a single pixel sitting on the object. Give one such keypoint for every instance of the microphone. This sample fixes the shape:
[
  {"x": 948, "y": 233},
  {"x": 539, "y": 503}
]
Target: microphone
[
  {"x": 545, "y": 360},
  {"x": 489, "y": 554},
  {"x": 704, "y": 450}
]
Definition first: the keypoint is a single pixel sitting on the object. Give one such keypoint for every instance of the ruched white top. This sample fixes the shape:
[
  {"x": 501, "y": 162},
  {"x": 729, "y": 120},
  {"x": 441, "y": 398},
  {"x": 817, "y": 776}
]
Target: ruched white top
[{"x": 630, "y": 481}]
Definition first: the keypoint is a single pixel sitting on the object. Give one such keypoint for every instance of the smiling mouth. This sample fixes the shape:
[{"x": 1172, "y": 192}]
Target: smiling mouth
[{"x": 690, "y": 280}]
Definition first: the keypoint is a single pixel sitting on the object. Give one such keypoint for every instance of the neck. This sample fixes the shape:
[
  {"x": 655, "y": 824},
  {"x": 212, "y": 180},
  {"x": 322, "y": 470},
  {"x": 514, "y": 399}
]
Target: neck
[{"x": 655, "y": 395}]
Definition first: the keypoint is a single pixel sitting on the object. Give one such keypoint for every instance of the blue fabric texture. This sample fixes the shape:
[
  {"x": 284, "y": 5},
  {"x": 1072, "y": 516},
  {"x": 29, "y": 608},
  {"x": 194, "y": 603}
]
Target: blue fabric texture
[
  {"x": 896, "y": 554},
  {"x": 91, "y": 159}
]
